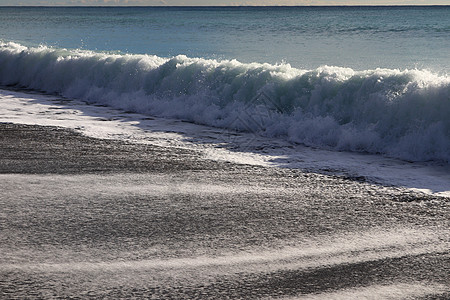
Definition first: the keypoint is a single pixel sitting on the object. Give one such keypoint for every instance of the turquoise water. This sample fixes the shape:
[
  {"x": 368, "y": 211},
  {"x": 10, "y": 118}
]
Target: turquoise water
[
  {"x": 371, "y": 80},
  {"x": 305, "y": 37}
]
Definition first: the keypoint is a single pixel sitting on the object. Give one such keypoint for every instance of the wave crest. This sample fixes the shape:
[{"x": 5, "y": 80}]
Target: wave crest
[{"x": 402, "y": 114}]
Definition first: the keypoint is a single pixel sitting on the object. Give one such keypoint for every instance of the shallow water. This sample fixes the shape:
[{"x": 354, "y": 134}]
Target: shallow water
[{"x": 219, "y": 144}]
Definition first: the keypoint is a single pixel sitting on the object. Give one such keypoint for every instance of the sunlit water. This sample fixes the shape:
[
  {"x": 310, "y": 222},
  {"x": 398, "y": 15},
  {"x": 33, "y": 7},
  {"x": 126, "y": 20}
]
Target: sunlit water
[{"x": 356, "y": 37}]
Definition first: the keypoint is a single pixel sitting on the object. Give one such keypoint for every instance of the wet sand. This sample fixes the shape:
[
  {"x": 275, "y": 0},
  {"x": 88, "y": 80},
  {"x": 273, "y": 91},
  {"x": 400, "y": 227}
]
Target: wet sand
[{"x": 91, "y": 218}]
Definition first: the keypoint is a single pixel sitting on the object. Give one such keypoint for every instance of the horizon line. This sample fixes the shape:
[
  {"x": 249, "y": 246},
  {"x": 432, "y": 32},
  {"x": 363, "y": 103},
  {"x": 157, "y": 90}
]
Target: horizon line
[{"x": 194, "y": 6}]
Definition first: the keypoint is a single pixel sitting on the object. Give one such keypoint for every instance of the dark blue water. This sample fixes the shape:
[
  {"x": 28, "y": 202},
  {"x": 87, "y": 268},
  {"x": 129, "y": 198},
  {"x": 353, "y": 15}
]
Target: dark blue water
[{"x": 306, "y": 37}]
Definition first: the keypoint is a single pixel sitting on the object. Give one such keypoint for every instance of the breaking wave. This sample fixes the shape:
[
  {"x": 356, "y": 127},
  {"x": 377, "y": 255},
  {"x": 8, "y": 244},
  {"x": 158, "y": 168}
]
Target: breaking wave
[{"x": 403, "y": 114}]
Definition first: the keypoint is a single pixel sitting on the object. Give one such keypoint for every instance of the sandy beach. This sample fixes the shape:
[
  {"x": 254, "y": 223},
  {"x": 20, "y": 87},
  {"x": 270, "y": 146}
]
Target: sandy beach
[
  {"x": 224, "y": 152},
  {"x": 94, "y": 218},
  {"x": 240, "y": 150}
]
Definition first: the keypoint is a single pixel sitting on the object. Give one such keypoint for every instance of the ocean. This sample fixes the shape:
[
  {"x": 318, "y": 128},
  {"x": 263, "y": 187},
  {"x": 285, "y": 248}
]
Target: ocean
[
  {"x": 364, "y": 79},
  {"x": 224, "y": 152},
  {"x": 360, "y": 38}
]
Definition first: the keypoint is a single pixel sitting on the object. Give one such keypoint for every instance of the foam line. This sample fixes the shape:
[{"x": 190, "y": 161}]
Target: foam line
[{"x": 402, "y": 114}]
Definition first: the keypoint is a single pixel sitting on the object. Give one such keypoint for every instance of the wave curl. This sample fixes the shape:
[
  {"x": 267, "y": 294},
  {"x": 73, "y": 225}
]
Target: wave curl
[{"x": 402, "y": 114}]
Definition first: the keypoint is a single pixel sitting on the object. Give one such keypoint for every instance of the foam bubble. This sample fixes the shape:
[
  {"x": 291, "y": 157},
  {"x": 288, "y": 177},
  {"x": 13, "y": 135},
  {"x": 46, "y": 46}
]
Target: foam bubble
[{"x": 402, "y": 114}]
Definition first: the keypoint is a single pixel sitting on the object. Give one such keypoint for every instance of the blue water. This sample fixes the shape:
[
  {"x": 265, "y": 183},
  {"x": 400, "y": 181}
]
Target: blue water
[
  {"x": 369, "y": 79},
  {"x": 305, "y": 37}
]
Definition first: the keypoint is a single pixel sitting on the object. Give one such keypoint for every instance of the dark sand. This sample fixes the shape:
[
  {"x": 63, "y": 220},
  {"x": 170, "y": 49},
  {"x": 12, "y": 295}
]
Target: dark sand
[{"x": 89, "y": 218}]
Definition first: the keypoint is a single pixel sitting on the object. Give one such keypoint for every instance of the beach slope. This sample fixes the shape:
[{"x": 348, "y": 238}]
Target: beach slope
[{"x": 94, "y": 218}]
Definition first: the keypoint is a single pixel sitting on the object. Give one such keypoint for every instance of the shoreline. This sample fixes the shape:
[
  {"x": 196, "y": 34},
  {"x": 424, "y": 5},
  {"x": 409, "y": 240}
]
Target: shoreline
[
  {"x": 86, "y": 217},
  {"x": 219, "y": 145},
  {"x": 36, "y": 149}
]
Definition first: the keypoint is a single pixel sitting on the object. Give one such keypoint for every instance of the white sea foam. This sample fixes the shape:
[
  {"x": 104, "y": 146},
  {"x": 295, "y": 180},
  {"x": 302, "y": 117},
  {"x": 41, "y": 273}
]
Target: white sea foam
[
  {"x": 380, "y": 291},
  {"x": 402, "y": 114},
  {"x": 218, "y": 144},
  {"x": 327, "y": 251}
]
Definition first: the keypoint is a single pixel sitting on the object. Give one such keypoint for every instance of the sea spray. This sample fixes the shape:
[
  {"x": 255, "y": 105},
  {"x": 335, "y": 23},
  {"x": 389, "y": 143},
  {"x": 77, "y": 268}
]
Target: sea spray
[{"x": 399, "y": 113}]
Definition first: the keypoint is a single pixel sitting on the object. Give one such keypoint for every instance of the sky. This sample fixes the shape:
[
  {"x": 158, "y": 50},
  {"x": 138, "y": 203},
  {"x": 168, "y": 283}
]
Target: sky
[{"x": 217, "y": 2}]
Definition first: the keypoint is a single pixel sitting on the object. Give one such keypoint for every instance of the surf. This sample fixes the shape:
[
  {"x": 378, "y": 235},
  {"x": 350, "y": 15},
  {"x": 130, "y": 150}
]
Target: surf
[{"x": 396, "y": 113}]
